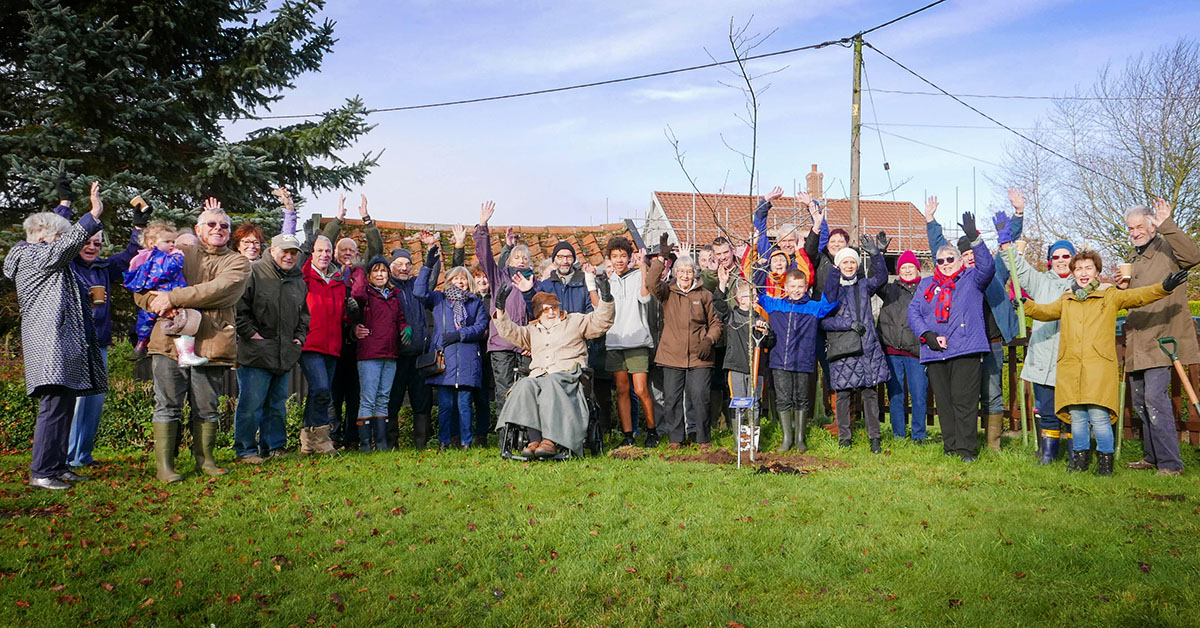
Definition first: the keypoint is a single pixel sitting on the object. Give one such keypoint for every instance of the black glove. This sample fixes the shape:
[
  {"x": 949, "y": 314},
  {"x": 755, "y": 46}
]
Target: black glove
[
  {"x": 868, "y": 244},
  {"x": 353, "y": 312},
  {"x": 968, "y": 226},
  {"x": 309, "y": 237},
  {"x": 141, "y": 212},
  {"x": 1174, "y": 280},
  {"x": 664, "y": 245},
  {"x": 431, "y": 258},
  {"x": 883, "y": 241},
  {"x": 705, "y": 351},
  {"x": 62, "y": 187},
  {"x": 930, "y": 339},
  {"x": 502, "y": 292},
  {"x": 450, "y": 337},
  {"x": 604, "y": 288},
  {"x": 858, "y": 328}
]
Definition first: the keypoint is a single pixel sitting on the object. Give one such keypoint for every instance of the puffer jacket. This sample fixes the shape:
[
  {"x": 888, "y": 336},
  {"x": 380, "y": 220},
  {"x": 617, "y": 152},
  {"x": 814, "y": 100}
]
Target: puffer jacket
[
  {"x": 870, "y": 368},
  {"x": 273, "y": 306},
  {"x": 691, "y": 327},
  {"x": 464, "y": 359},
  {"x": 794, "y": 324},
  {"x": 382, "y": 314},
  {"x": 216, "y": 277},
  {"x": 964, "y": 329},
  {"x": 327, "y": 310},
  {"x": 894, "y": 331},
  {"x": 1001, "y": 316}
]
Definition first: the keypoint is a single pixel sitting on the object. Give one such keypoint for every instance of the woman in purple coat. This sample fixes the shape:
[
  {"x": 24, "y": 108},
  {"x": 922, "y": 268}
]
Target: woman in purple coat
[
  {"x": 858, "y": 374},
  {"x": 946, "y": 313}
]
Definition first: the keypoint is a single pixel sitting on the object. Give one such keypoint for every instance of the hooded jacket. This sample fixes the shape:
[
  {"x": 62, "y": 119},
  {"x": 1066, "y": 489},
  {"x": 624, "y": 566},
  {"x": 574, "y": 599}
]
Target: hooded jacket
[
  {"x": 274, "y": 306},
  {"x": 382, "y": 314}
]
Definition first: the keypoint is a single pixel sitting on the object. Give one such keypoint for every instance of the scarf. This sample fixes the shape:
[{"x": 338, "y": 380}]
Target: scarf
[
  {"x": 942, "y": 286},
  {"x": 458, "y": 303},
  {"x": 915, "y": 280},
  {"x": 843, "y": 280},
  {"x": 1081, "y": 292},
  {"x": 775, "y": 282}
]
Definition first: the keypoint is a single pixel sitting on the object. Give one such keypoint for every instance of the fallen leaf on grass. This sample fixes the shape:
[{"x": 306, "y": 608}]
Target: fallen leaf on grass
[
  {"x": 734, "y": 624},
  {"x": 955, "y": 603},
  {"x": 1020, "y": 574},
  {"x": 1145, "y": 567}
]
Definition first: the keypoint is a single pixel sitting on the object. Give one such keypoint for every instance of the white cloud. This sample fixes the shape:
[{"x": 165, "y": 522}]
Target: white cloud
[{"x": 681, "y": 94}]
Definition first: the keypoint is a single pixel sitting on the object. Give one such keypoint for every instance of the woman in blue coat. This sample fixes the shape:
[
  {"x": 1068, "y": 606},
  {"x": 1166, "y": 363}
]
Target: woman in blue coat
[
  {"x": 946, "y": 313},
  {"x": 859, "y": 374},
  {"x": 460, "y": 322}
]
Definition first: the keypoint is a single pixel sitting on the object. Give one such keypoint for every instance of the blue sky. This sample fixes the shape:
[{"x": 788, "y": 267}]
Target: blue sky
[{"x": 585, "y": 156}]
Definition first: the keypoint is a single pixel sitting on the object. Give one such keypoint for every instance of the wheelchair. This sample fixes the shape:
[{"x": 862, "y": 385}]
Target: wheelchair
[{"x": 514, "y": 438}]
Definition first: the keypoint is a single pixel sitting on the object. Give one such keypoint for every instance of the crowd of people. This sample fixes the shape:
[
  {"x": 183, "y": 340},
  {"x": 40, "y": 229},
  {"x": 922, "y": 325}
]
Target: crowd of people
[{"x": 671, "y": 335}]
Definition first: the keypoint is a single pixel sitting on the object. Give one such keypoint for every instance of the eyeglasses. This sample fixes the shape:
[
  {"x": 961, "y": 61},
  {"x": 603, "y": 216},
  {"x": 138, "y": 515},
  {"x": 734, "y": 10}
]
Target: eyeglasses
[
  {"x": 564, "y": 256},
  {"x": 250, "y": 242},
  {"x": 945, "y": 260},
  {"x": 1058, "y": 257},
  {"x": 217, "y": 225}
]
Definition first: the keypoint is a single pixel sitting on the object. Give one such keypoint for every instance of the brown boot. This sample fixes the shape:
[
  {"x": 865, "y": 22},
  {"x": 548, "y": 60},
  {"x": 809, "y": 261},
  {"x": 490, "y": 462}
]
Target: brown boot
[
  {"x": 995, "y": 424},
  {"x": 306, "y": 442},
  {"x": 319, "y": 440}
]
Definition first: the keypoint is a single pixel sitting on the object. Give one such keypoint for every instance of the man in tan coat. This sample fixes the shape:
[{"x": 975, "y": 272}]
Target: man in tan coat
[
  {"x": 215, "y": 277},
  {"x": 550, "y": 403},
  {"x": 1161, "y": 248}
]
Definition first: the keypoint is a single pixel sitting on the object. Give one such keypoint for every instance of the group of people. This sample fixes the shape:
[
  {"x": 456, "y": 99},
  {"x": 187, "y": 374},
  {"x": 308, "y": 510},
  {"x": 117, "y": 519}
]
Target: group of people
[{"x": 670, "y": 334}]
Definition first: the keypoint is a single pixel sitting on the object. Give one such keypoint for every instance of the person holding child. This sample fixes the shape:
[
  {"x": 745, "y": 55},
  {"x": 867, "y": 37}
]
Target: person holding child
[{"x": 159, "y": 266}]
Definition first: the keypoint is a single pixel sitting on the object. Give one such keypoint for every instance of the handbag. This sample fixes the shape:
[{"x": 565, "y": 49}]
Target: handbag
[
  {"x": 840, "y": 345},
  {"x": 431, "y": 363}
]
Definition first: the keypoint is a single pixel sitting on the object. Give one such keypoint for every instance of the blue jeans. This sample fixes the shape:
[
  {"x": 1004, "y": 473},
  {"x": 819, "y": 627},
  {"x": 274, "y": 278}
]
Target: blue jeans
[
  {"x": 454, "y": 409},
  {"x": 991, "y": 389},
  {"x": 907, "y": 374},
  {"x": 259, "y": 422},
  {"x": 318, "y": 371},
  {"x": 1083, "y": 416},
  {"x": 1043, "y": 405},
  {"x": 375, "y": 379},
  {"x": 84, "y": 425}
]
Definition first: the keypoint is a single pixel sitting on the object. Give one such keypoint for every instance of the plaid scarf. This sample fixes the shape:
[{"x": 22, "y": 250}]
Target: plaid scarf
[
  {"x": 458, "y": 300},
  {"x": 1081, "y": 292},
  {"x": 942, "y": 287}
]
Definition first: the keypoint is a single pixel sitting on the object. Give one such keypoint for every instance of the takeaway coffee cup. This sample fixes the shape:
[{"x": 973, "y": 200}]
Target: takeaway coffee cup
[
  {"x": 1126, "y": 270},
  {"x": 97, "y": 295},
  {"x": 1021, "y": 244}
]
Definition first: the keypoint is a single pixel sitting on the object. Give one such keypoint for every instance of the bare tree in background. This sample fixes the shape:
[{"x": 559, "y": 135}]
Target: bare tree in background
[{"x": 1037, "y": 173}]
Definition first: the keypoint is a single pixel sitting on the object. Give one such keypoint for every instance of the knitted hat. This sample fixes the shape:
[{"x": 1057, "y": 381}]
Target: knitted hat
[
  {"x": 398, "y": 253},
  {"x": 908, "y": 257},
  {"x": 844, "y": 254},
  {"x": 563, "y": 245},
  {"x": 1061, "y": 244},
  {"x": 542, "y": 299},
  {"x": 964, "y": 244}
]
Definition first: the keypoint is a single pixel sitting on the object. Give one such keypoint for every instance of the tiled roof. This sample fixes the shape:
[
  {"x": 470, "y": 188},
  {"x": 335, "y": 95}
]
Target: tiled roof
[
  {"x": 903, "y": 222},
  {"x": 588, "y": 241}
]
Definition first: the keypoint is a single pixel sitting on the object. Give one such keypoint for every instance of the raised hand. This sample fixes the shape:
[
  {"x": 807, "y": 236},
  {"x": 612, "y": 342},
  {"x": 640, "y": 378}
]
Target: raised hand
[
  {"x": 804, "y": 197},
  {"x": 775, "y": 194},
  {"x": 522, "y": 283},
  {"x": 141, "y": 212},
  {"x": 212, "y": 205},
  {"x": 638, "y": 261},
  {"x": 62, "y": 188},
  {"x": 1017, "y": 199},
  {"x": 723, "y": 278},
  {"x": 1000, "y": 220},
  {"x": 485, "y": 212},
  {"x": 884, "y": 241},
  {"x": 1162, "y": 211},
  {"x": 817, "y": 213},
  {"x": 510, "y": 236},
  {"x": 460, "y": 235},
  {"x": 97, "y": 204},
  {"x": 664, "y": 244},
  {"x": 284, "y": 197},
  {"x": 603, "y": 288},
  {"x": 869, "y": 245},
  {"x": 1174, "y": 280},
  {"x": 341, "y": 212},
  {"x": 968, "y": 226},
  {"x": 931, "y": 205},
  {"x": 428, "y": 238},
  {"x": 362, "y": 207}
]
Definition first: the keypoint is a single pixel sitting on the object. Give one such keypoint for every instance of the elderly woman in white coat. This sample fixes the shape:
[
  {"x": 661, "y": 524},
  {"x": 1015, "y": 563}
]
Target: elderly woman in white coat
[{"x": 58, "y": 337}]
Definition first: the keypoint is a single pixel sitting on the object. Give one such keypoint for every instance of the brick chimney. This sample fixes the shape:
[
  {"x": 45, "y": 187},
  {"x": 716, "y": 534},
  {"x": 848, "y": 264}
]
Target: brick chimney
[{"x": 815, "y": 184}]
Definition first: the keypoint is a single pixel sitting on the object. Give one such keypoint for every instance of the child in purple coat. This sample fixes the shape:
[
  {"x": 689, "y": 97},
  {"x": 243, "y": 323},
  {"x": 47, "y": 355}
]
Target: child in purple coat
[{"x": 159, "y": 266}]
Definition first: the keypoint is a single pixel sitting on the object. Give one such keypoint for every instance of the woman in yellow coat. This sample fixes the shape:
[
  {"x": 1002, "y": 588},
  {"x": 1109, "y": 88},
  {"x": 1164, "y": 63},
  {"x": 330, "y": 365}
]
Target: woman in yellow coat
[{"x": 1087, "y": 354}]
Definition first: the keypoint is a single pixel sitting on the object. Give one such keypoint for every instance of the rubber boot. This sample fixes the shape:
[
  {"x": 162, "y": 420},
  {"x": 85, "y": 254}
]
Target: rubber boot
[
  {"x": 379, "y": 426},
  {"x": 207, "y": 439},
  {"x": 801, "y": 424},
  {"x": 1049, "y": 441},
  {"x": 786, "y": 422},
  {"x": 995, "y": 422},
  {"x": 364, "y": 434},
  {"x": 876, "y": 446},
  {"x": 1104, "y": 463},
  {"x": 421, "y": 430},
  {"x": 164, "y": 450},
  {"x": 185, "y": 348},
  {"x": 305, "y": 442},
  {"x": 1079, "y": 460}
]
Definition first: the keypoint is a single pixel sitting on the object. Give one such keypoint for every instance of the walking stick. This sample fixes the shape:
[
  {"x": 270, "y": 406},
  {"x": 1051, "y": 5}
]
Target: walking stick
[
  {"x": 1012, "y": 267},
  {"x": 1120, "y": 413},
  {"x": 1024, "y": 411},
  {"x": 1173, "y": 354}
]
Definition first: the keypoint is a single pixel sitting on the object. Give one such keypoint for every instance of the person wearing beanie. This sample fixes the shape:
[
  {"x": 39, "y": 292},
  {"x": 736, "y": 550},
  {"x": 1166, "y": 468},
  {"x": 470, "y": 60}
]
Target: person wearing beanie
[
  {"x": 788, "y": 237},
  {"x": 903, "y": 349},
  {"x": 572, "y": 283},
  {"x": 999, "y": 320},
  {"x": 1041, "y": 356},
  {"x": 857, "y": 364},
  {"x": 947, "y": 314}
]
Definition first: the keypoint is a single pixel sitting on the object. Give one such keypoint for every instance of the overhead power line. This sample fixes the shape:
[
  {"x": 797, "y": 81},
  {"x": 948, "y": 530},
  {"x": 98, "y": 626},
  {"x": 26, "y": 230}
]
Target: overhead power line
[
  {"x": 1018, "y": 96},
  {"x": 1001, "y": 124},
  {"x": 928, "y": 145},
  {"x": 844, "y": 41}
]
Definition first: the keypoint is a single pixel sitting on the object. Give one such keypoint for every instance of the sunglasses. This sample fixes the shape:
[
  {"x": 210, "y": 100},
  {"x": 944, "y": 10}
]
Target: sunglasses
[
  {"x": 1058, "y": 257},
  {"x": 945, "y": 260},
  {"x": 217, "y": 225}
]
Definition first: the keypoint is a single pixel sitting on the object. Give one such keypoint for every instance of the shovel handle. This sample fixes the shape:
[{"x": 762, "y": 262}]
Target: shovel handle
[{"x": 1173, "y": 352}]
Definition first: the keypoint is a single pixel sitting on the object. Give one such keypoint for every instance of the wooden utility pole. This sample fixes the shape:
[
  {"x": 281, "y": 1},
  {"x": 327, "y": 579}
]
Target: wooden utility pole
[{"x": 855, "y": 128}]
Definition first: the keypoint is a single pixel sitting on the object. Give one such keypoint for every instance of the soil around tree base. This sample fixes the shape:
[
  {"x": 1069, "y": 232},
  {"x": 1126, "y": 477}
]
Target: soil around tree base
[{"x": 803, "y": 462}]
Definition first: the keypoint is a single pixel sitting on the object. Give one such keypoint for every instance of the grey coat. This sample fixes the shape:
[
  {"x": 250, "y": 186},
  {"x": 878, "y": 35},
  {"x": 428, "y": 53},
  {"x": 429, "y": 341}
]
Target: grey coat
[{"x": 58, "y": 336}]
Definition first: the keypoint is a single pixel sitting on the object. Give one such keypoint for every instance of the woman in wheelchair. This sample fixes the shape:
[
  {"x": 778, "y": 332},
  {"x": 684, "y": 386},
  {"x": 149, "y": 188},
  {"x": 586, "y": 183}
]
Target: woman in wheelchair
[{"x": 550, "y": 404}]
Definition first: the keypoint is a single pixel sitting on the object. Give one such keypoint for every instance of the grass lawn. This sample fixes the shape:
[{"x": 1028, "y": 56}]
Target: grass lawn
[{"x": 907, "y": 538}]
